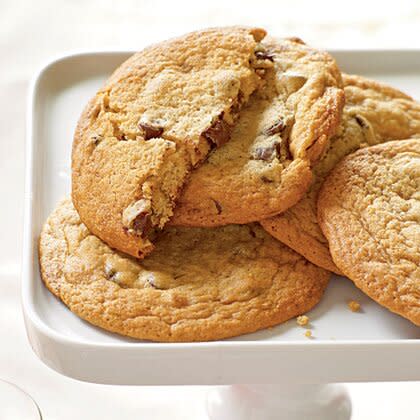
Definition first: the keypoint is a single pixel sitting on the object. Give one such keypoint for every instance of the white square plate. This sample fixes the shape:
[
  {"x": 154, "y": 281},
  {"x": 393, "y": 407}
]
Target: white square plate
[{"x": 371, "y": 345}]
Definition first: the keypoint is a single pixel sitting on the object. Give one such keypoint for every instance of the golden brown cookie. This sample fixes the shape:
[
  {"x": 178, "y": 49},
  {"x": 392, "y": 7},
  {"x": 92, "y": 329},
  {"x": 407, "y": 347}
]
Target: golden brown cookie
[
  {"x": 374, "y": 113},
  {"x": 266, "y": 166},
  {"x": 156, "y": 118},
  {"x": 198, "y": 284},
  {"x": 369, "y": 210}
]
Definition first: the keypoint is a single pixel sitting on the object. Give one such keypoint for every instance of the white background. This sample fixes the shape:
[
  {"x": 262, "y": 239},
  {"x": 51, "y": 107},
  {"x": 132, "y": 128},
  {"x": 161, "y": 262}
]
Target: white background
[{"x": 30, "y": 33}]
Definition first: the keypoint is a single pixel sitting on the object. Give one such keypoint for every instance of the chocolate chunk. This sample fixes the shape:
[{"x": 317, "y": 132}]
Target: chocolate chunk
[
  {"x": 150, "y": 131},
  {"x": 367, "y": 130},
  {"x": 96, "y": 139},
  {"x": 218, "y": 133},
  {"x": 266, "y": 152},
  {"x": 266, "y": 180},
  {"x": 136, "y": 218},
  {"x": 263, "y": 153},
  {"x": 218, "y": 206},
  {"x": 362, "y": 122},
  {"x": 142, "y": 224},
  {"x": 276, "y": 128},
  {"x": 251, "y": 232},
  {"x": 264, "y": 55}
]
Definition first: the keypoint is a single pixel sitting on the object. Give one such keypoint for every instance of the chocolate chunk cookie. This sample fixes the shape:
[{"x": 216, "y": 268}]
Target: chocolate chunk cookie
[
  {"x": 156, "y": 118},
  {"x": 281, "y": 131},
  {"x": 369, "y": 210},
  {"x": 198, "y": 284},
  {"x": 374, "y": 113}
]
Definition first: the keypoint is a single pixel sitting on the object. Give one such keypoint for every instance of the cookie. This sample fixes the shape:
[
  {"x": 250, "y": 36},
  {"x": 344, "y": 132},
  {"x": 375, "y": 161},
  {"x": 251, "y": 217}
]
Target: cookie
[
  {"x": 198, "y": 284},
  {"x": 266, "y": 166},
  {"x": 369, "y": 210},
  {"x": 374, "y": 113},
  {"x": 157, "y": 117}
]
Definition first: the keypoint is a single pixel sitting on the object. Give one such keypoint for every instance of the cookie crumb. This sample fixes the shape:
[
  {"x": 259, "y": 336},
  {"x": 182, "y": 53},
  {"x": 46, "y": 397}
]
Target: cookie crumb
[
  {"x": 308, "y": 333},
  {"x": 302, "y": 320},
  {"x": 354, "y": 306}
]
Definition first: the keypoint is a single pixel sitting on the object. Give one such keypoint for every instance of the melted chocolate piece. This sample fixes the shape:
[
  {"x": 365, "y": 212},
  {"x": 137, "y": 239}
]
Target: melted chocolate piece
[
  {"x": 266, "y": 152},
  {"x": 276, "y": 128},
  {"x": 218, "y": 133},
  {"x": 142, "y": 224},
  {"x": 150, "y": 131}
]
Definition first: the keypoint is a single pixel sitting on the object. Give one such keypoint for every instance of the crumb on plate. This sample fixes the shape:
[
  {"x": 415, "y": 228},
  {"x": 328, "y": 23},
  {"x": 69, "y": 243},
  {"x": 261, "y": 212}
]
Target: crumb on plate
[
  {"x": 308, "y": 334},
  {"x": 354, "y": 306},
  {"x": 302, "y": 320}
]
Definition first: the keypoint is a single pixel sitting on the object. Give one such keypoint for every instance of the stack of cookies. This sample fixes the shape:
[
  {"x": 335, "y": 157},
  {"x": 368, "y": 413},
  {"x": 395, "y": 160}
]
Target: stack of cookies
[{"x": 210, "y": 197}]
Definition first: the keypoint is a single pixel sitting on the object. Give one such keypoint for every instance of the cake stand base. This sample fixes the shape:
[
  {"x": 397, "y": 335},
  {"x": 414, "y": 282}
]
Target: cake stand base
[{"x": 279, "y": 402}]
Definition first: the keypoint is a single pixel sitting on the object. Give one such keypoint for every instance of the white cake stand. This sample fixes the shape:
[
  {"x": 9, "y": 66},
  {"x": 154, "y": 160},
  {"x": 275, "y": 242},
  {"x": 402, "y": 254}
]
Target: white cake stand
[
  {"x": 278, "y": 402},
  {"x": 289, "y": 376}
]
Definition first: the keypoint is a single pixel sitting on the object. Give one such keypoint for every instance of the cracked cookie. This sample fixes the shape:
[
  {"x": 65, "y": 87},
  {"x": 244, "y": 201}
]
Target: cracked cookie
[
  {"x": 266, "y": 166},
  {"x": 374, "y": 113},
  {"x": 369, "y": 210},
  {"x": 156, "y": 118},
  {"x": 198, "y": 284}
]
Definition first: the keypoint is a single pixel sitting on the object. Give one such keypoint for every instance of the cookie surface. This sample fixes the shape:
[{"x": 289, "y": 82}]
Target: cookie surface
[
  {"x": 369, "y": 210},
  {"x": 374, "y": 113},
  {"x": 156, "y": 118},
  {"x": 266, "y": 166},
  {"x": 198, "y": 284}
]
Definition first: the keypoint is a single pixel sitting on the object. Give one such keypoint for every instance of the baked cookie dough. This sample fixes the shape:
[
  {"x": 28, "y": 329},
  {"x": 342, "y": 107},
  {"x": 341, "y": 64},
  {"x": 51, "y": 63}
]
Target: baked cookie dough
[
  {"x": 266, "y": 166},
  {"x": 369, "y": 210},
  {"x": 198, "y": 284},
  {"x": 157, "y": 117},
  {"x": 374, "y": 113}
]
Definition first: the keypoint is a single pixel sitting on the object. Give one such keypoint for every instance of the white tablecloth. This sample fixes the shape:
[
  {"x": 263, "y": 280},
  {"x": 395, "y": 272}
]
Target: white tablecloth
[{"x": 33, "y": 31}]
